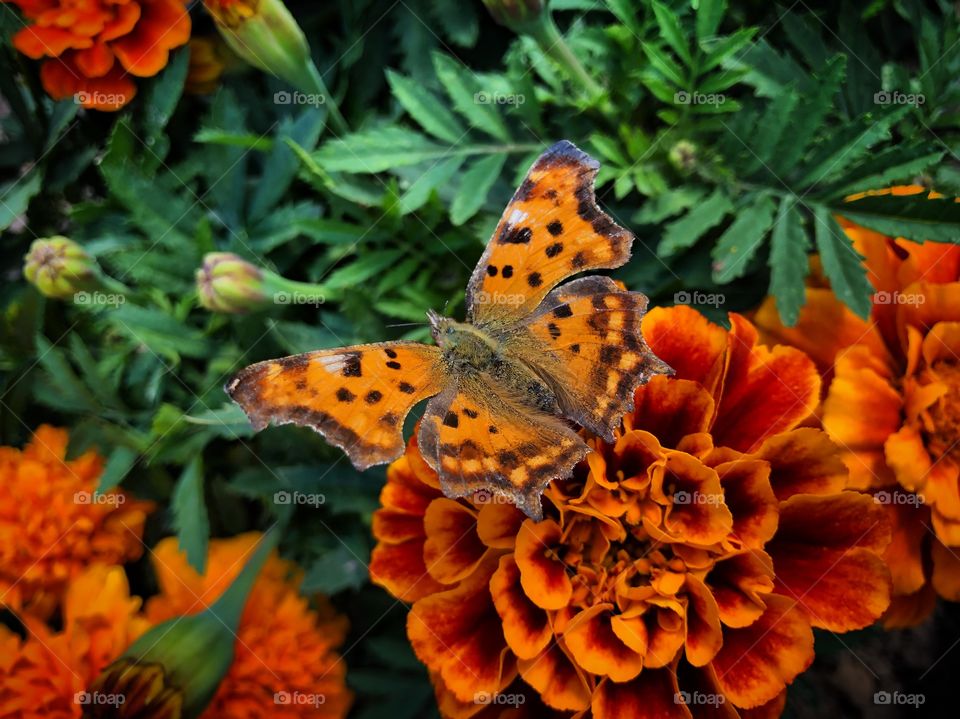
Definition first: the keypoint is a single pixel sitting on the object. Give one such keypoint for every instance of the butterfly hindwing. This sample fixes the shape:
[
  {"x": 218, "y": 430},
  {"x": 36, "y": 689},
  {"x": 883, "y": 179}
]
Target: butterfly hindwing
[
  {"x": 551, "y": 229},
  {"x": 587, "y": 340},
  {"x": 478, "y": 439},
  {"x": 356, "y": 397}
]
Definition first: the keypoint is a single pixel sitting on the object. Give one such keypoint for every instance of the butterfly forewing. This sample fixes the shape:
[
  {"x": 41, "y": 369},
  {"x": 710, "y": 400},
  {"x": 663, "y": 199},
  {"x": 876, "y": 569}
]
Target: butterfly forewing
[
  {"x": 356, "y": 397},
  {"x": 551, "y": 229}
]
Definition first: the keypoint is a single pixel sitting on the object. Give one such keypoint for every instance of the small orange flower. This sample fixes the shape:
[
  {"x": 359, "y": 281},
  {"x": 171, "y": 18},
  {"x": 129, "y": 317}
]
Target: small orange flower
[
  {"x": 685, "y": 564},
  {"x": 207, "y": 63},
  {"x": 284, "y": 649},
  {"x": 54, "y": 524},
  {"x": 893, "y": 402},
  {"x": 94, "y": 46}
]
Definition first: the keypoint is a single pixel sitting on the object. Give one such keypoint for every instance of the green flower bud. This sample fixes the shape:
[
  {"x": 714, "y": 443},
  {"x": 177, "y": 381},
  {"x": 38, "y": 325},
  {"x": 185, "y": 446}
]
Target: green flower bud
[
  {"x": 683, "y": 155},
  {"x": 228, "y": 283},
  {"x": 59, "y": 267}
]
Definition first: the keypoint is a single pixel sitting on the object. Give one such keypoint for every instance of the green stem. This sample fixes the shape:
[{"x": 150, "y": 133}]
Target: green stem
[
  {"x": 551, "y": 42},
  {"x": 316, "y": 79}
]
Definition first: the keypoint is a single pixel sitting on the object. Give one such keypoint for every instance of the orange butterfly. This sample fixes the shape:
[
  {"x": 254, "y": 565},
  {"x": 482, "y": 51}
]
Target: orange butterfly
[{"x": 528, "y": 357}]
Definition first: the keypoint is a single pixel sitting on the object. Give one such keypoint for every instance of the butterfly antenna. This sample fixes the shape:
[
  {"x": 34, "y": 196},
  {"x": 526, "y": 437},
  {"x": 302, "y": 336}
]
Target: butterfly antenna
[{"x": 409, "y": 324}]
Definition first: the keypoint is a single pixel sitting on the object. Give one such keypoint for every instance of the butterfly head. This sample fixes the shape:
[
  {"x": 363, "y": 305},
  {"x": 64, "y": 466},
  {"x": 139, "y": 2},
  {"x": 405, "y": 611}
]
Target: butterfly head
[{"x": 442, "y": 328}]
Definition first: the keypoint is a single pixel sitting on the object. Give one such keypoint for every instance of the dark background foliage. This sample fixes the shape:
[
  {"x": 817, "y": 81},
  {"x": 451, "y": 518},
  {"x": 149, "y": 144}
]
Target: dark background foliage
[{"x": 446, "y": 111}]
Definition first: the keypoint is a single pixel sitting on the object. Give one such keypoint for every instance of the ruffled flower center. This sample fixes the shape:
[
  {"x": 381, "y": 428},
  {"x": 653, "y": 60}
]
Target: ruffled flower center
[{"x": 941, "y": 424}]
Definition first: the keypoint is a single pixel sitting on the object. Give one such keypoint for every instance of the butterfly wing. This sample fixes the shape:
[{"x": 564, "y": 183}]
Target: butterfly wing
[
  {"x": 551, "y": 229},
  {"x": 356, "y": 397},
  {"x": 585, "y": 340},
  {"x": 476, "y": 438}
]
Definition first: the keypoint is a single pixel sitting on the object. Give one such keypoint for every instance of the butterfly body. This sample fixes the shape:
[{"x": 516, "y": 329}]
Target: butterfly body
[{"x": 533, "y": 357}]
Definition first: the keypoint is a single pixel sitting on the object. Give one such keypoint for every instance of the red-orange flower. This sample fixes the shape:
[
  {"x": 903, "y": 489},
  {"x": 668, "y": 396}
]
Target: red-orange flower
[
  {"x": 54, "y": 524},
  {"x": 679, "y": 569},
  {"x": 893, "y": 403},
  {"x": 92, "y": 47}
]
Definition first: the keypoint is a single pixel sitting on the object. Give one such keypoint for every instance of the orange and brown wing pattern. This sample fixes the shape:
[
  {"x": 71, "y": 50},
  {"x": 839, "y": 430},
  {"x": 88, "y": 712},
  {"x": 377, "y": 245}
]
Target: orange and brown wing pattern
[
  {"x": 589, "y": 345},
  {"x": 356, "y": 397},
  {"x": 476, "y": 439},
  {"x": 551, "y": 229}
]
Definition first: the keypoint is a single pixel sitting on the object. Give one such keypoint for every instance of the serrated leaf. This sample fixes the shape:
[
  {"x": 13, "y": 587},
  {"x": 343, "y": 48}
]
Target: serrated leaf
[
  {"x": 726, "y": 48},
  {"x": 15, "y": 196},
  {"x": 423, "y": 186},
  {"x": 423, "y": 107},
  {"x": 164, "y": 334},
  {"x": 228, "y": 421},
  {"x": 119, "y": 464},
  {"x": 63, "y": 383},
  {"x": 684, "y": 232},
  {"x": 363, "y": 268},
  {"x": 887, "y": 167},
  {"x": 788, "y": 261},
  {"x": 772, "y": 125},
  {"x": 709, "y": 15},
  {"x": 163, "y": 93},
  {"x": 463, "y": 87},
  {"x": 659, "y": 208},
  {"x": 474, "y": 187},
  {"x": 842, "y": 264},
  {"x": 741, "y": 240},
  {"x": 190, "y": 520},
  {"x": 377, "y": 149},
  {"x": 911, "y": 216},
  {"x": 662, "y": 63},
  {"x": 671, "y": 31}
]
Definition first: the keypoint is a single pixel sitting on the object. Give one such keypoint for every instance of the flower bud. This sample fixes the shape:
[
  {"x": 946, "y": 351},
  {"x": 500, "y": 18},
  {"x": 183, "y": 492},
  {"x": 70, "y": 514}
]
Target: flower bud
[
  {"x": 683, "y": 155},
  {"x": 228, "y": 283},
  {"x": 515, "y": 14},
  {"x": 59, "y": 267}
]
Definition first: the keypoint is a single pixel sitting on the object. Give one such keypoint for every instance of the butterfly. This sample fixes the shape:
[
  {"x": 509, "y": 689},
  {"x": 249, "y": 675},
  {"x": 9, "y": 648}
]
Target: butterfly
[{"x": 531, "y": 357}]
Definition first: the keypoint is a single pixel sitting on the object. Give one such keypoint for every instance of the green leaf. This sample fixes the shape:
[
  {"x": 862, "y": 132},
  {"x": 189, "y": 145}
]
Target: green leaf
[
  {"x": 772, "y": 126},
  {"x": 162, "y": 333},
  {"x": 741, "y": 240},
  {"x": 474, "y": 187},
  {"x": 63, "y": 387},
  {"x": 426, "y": 183},
  {"x": 709, "y": 15},
  {"x": 363, "y": 268},
  {"x": 657, "y": 209},
  {"x": 163, "y": 93},
  {"x": 887, "y": 167},
  {"x": 336, "y": 570},
  {"x": 911, "y": 216},
  {"x": 190, "y": 520},
  {"x": 684, "y": 232},
  {"x": 119, "y": 464},
  {"x": 724, "y": 49},
  {"x": 15, "y": 196},
  {"x": 423, "y": 107},
  {"x": 788, "y": 262},
  {"x": 662, "y": 63},
  {"x": 842, "y": 264},
  {"x": 671, "y": 31},
  {"x": 229, "y": 421},
  {"x": 467, "y": 95}
]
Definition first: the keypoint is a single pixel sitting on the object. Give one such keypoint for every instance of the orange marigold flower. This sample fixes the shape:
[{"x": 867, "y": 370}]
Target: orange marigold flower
[
  {"x": 94, "y": 46},
  {"x": 284, "y": 649},
  {"x": 54, "y": 524},
  {"x": 892, "y": 402},
  {"x": 688, "y": 559}
]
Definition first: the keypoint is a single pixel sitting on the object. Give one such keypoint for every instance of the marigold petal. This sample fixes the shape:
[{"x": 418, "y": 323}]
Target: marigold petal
[
  {"x": 672, "y": 408},
  {"x": 498, "y": 525},
  {"x": 400, "y": 569},
  {"x": 827, "y": 555},
  {"x": 757, "y": 662},
  {"x": 946, "y": 528},
  {"x": 739, "y": 584},
  {"x": 94, "y": 61},
  {"x": 458, "y": 634},
  {"x": 543, "y": 574},
  {"x": 825, "y": 327},
  {"x": 688, "y": 342},
  {"x": 804, "y": 461},
  {"x": 452, "y": 549},
  {"x": 941, "y": 303},
  {"x": 665, "y": 633},
  {"x": 125, "y": 18},
  {"x": 946, "y": 571},
  {"x": 526, "y": 627},
  {"x": 163, "y": 25},
  {"x": 36, "y": 41},
  {"x": 597, "y": 648},
  {"x": 698, "y": 513},
  {"x": 395, "y": 527},
  {"x": 909, "y": 610},
  {"x": 704, "y": 636},
  {"x": 904, "y": 554},
  {"x": 750, "y": 498},
  {"x": 652, "y": 695},
  {"x": 560, "y": 683},
  {"x": 779, "y": 389}
]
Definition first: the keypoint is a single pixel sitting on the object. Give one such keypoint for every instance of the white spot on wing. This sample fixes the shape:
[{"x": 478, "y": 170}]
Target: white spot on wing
[
  {"x": 516, "y": 217},
  {"x": 332, "y": 363}
]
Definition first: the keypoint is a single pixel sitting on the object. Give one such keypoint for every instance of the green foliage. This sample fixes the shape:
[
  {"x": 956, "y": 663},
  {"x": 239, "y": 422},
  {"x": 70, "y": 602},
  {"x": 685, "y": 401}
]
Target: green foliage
[{"x": 731, "y": 136}]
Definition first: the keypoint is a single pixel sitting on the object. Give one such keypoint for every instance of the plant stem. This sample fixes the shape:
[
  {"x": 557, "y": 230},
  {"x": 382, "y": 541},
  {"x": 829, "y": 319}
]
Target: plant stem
[{"x": 551, "y": 42}]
